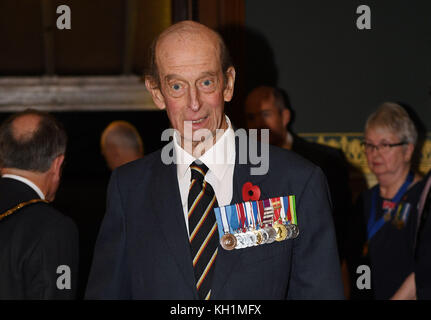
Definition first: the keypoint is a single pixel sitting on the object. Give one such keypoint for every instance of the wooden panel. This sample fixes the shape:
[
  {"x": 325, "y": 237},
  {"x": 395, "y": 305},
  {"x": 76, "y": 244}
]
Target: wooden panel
[
  {"x": 153, "y": 17},
  {"x": 21, "y": 37}
]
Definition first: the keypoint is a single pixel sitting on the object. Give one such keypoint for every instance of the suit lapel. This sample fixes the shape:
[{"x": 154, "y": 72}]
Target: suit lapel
[
  {"x": 169, "y": 213},
  {"x": 226, "y": 260}
]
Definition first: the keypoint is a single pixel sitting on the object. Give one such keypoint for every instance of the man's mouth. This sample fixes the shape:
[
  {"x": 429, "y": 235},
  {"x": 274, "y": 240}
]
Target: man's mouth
[{"x": 199, "y": 120}]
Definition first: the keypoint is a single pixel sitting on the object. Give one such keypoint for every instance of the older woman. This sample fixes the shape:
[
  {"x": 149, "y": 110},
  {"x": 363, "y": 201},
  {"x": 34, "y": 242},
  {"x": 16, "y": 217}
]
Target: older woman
[{"x": 389, "y": 208}]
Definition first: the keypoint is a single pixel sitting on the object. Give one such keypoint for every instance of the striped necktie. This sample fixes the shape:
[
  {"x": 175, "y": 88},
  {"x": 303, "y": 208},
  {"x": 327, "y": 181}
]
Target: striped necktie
[{"x": 202, "y": 228}]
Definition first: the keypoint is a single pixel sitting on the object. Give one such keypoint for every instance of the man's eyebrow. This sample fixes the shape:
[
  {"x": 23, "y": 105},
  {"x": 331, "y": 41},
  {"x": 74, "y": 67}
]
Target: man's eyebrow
[
  {"x": 173, "y": 76},
  {"x": 208, "y": 73},
  {"x": 203, "y": 74}
]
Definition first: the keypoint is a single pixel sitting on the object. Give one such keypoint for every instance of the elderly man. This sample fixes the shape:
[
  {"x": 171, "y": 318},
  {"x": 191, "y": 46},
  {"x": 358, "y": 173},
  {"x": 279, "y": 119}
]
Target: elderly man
[
  {"x": 120, "y": 144},
  {"x": 38, "y": 245},
  {"x": 160, "y": 239}
]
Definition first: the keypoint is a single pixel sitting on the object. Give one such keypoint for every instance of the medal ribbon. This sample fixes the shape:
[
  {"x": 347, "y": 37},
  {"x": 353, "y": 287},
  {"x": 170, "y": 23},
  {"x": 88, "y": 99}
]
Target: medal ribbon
[
  {"x": 241, "y": 212},
  {"x": 220, "y": 214},
  {"x": 232, "y": 217},
  {"x": 249, "y": 213},
  {"x": 276, "y": 205},
  {"x": 406, "y": 212},
  {"x": 373, "y": 225},
  {"x": 399, "y": 210},
  {"x": 283, "y": 210},
  {"x": 261, "y": 210},
  {"x": 257, "y": 217},
  {"x": 292, "y": 210}
]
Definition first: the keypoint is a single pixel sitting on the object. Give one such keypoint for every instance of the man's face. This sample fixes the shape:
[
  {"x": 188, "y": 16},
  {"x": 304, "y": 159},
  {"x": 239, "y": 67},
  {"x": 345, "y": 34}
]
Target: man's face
[
  {"x": 192, "y": 87},
  {"x": 263, "y": 114}
]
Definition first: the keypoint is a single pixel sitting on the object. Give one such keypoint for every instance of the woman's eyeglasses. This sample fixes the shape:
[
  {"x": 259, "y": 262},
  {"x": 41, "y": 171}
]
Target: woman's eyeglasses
[{"x": 382, "y": 147}]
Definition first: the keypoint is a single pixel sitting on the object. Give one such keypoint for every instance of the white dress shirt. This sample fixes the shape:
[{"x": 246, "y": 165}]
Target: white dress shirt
[
  {"x": 220, "y": 160},
  {"x": 27, "y": 182}
]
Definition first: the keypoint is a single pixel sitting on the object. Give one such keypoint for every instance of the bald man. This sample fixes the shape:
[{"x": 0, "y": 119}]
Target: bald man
[
  {"x": 121, "y": 143},
  {"x": 159, "y": 238},
  {"x": 38, "y": 244}
]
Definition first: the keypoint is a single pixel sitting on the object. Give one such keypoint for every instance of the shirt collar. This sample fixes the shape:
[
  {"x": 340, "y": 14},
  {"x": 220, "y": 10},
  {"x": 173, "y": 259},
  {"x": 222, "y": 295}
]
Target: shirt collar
[
  {"x": 27, "y": 182},
  {"x": 218, "y": 158}
]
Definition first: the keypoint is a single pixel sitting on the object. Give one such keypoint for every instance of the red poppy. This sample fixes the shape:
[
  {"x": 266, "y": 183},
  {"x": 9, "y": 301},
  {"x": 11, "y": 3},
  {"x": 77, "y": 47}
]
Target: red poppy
[{"x": 250, "y": 192}]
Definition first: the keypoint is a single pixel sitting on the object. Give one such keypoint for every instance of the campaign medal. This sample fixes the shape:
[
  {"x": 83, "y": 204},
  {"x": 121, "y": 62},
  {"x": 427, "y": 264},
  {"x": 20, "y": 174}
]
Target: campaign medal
[
  {"x": 281, "y": 231},
  {"x": 250, "y": 238},
  {"x": 251, "y": 223},
  {"x": 228, "y": 241},
  {"x": 387, "y": 216},
  {"x": 259, "y": 237},
  {"x": 256, "y": 222},
  {"x": 400, "y": 224},
  {"x": 272, "y": 234},
  {"x": 242, "y": 216},
  {"x": 240, "y": 241},
  {"x": 288, "y": 215},
  {"x": 388, "y": 206},
  {"x": 402, "y": 215},
  {"x": 294, "y": 230},
  {"x": 265, "y": 235}
]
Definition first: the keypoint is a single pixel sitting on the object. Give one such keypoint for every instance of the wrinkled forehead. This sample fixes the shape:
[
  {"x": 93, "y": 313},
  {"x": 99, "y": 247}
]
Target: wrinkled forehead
[{"x": 187, "y": 46}]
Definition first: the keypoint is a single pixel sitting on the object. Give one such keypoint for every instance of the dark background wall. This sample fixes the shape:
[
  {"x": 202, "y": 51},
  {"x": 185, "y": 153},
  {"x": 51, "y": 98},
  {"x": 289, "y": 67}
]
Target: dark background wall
[{"x": 335, "y": 74}]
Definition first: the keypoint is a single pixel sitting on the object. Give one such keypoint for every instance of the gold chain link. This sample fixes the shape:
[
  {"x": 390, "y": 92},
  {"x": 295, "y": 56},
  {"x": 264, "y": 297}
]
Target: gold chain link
[{"x": 19, "y": 206}]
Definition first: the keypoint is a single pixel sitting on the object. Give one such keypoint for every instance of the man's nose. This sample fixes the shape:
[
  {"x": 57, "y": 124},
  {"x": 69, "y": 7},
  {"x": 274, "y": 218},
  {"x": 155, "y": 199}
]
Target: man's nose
[
  {"x": 194, "y": 99},
  {"x": 259, "y": 122}
]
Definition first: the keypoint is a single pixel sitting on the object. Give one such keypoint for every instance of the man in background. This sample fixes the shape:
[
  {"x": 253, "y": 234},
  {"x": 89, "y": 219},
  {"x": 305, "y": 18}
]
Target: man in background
[
  {"x": 120, "y": 144},
  {"x": 38, "y": 244},
  {"x": 269, "y": 108}
]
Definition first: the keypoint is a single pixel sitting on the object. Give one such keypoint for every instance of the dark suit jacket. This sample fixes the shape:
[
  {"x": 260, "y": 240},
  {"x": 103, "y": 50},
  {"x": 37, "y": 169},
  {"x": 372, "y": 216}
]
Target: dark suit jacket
[
  {"x": 423, "y": 251},
  {"x": 34, "y": 241},
  {"x": 143, "y": 250},
  {"x": 335, "y": 167}
]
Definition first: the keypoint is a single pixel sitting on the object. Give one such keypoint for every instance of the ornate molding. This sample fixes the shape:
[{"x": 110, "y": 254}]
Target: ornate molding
[{"x": 104, "y": 93}]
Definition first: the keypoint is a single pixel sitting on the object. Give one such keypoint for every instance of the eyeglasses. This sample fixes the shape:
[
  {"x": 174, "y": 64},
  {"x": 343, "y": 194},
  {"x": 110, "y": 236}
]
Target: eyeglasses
[{"x": 382, "y": 147}]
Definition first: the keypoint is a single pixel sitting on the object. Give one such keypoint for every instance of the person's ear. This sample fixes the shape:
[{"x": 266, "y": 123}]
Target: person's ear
[
  {"x": 409, "y": 152},
  {"x": 285, "y": 117},
  {"x": 57, "y": 164},
  {"x": 156, "y": 94},
  {"x": 230, "y": 84}
]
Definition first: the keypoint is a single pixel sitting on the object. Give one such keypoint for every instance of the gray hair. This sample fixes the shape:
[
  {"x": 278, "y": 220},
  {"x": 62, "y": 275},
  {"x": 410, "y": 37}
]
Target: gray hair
[
  {"x": 34, "y": 151},
  {"x": 393, "y": 117},
  {"x": 122, "y": 134}
]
